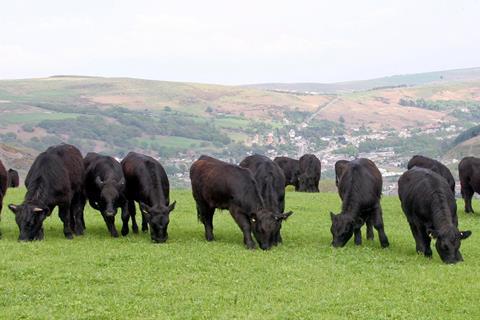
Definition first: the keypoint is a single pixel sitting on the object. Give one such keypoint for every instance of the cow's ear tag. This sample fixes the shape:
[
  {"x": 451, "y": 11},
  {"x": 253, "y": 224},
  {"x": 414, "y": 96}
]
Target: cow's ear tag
[{"x": 253, "y": 220}]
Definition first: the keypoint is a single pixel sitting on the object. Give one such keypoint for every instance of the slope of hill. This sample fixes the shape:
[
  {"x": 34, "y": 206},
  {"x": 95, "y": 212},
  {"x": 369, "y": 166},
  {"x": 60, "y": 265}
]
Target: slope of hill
[
  {"x": 182, "y": 120},
  {"x": 406, "y": 80}
]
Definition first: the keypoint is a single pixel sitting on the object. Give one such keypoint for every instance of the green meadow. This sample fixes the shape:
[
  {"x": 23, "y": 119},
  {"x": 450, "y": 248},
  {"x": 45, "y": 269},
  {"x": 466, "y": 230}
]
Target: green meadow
[{"x": 99, "y": 277}]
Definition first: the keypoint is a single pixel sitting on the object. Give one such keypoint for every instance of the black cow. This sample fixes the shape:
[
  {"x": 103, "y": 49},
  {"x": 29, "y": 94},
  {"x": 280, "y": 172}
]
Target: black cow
[
  {"x": 105, "y": 187},
  {"x": 469, "y": 172},
  {"x": 310, "y": 170},
  {"x": 339, "y": 168},
  {"x": 435, "y": 166},
  {"x": 217, "y": 184},
  {"x": 271, "y": 183},
  {"x": 291, "y": 170},
  {"x": 13, "y": 179},
  {"x": 3, "y": 185},
  {"x": 430, "y": 208},
  {"x": 55, "y": 178},
  {"x": 360, "y": 188},
  {"x": 147, "y": 183}
]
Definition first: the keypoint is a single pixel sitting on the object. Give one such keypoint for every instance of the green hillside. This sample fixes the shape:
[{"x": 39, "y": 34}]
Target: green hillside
[{"x": 405, "y": 80}]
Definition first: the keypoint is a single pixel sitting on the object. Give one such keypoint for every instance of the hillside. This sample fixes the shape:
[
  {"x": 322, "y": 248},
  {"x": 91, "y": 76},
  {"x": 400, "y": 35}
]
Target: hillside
[
  {"x": 406, "y": 80},
  {"x": 179, "y": 121}
]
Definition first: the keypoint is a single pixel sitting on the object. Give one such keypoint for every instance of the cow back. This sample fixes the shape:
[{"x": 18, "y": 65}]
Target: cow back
[
  {"x": 435, "y": 166},
  {"x": 221, "y": 185},
  {"x": 270, "y": 181}
]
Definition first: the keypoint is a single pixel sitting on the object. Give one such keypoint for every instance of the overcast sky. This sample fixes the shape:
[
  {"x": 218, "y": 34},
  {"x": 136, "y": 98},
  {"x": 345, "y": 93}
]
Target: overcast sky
[{"x": 237, "y": 42}]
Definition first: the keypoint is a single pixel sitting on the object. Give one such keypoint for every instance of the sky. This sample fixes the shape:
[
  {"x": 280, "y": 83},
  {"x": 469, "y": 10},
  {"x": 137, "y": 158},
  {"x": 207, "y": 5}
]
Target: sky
[{"x": 237, "y": 42}]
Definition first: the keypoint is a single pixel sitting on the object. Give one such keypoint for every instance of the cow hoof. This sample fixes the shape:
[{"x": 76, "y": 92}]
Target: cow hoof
[
  {"x": 68, "y": 236},
  {"x": 385, "y": 245},
  {"x": 135, "y": 230},
  {"x": 115, "y": 235},
  {"x": 124, "y": 232}
]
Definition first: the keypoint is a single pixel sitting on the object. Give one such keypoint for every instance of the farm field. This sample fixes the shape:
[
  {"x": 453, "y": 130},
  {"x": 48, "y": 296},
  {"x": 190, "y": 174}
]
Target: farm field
[{"x": 98, "y": 277}]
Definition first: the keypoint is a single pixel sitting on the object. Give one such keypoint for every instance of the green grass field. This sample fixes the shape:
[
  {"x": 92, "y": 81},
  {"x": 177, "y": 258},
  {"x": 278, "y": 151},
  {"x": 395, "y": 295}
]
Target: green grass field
[{"x": 97, "y": 277}]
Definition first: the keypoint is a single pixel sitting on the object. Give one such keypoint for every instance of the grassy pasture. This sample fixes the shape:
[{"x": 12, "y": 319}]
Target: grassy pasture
[{"x": 97, "y": 277}]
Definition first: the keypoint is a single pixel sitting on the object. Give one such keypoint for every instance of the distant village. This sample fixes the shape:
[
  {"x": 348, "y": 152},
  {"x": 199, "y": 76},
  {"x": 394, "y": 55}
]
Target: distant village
[{"x": 390, "y": 163}]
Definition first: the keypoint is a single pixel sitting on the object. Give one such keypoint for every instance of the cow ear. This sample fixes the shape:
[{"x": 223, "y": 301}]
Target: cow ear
[
  {"x": 432, "y": 233},
  {"x": 13, "y": 208},
  {"x": 332, "y": 215},
  {"x": 145, "y": 208},
  {"x": 283, "y": 216},
  {"x": 465, "y": 234},
  {"x": 358, "y": 222},
  {"x": 99, "y": 181},
  {"x": 172, "y": 206},
  {"x": 38, "y": 210},
  {"x": 121, "y": 182}
]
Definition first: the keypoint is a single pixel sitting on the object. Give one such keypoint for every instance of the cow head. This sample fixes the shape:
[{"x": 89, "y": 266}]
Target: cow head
[
  {"x": 266, "y": 226},
  {"x": 307, "y": 184},
  {"x": 448, "y": 244},
  {"x": 342, "y": 228},
  {"x": 110, "y": 195},
  {"x": 158, "y": 218},
  {"x": 29, "y": 219}
]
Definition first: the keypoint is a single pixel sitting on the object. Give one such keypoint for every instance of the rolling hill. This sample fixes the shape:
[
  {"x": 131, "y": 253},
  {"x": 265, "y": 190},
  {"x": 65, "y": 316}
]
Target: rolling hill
[{"x": 409, "y": 113}]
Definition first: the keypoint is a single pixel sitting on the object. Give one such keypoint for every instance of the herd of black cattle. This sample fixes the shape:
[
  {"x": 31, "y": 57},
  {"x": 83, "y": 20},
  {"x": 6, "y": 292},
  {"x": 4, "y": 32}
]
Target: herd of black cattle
[{"x": 253, "y": 192}]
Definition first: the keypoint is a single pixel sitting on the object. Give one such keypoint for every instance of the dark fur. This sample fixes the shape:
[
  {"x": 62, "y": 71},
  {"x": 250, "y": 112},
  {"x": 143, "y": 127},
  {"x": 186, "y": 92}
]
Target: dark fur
[
  {"x": 469, "y": 172},
  {"x": 271, "y": 183},
  {"x": 54, "y": 179},
  {"x": 217, "y": 184},
  {"x": 435, "y": 166},
  {"x": 3, "y": 185},
  {"x": 105, "y": 187},
  {"x": 13, "y": 179},
  {"x": 147, "y": 183},
  {"x": 310, "y": 171},
  {"x": 291, "y": 170},
  {"x": 360, "y": 188},
  {"x": 430, "y": 208}
]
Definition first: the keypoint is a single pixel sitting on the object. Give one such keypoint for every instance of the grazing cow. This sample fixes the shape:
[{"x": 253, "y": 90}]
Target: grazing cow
[
  {"x": 217, "y": 184},
  {"x": 310, "y": 170},
  {"x": 3, "y": 185},
  {"x": 13, "y": 179},
  {"x": 271, "y": 183},
  {"x": 105, "y": 187},
  {"x": 435, "y": 166},
  {"x": 147, "y": 183},
  {"x": 340, "y": 166},
  {"x": 291, "y": 170},
  {"x": 431, "y": 209},
  {"x": 55, "y": 179},
  {"x": 469, "y": 172},
  {"x": 360, "y": 188}
]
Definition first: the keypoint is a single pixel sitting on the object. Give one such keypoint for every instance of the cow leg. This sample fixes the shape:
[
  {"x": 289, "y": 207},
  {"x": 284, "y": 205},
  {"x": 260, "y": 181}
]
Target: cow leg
[
  {"x": 125, "y": 218},
  {"x": 420, "y": 245},
  {"x": 370, "y": 235},
  {"x": 132, "y": 211},
  {"x": 110, "y": 222},
  {"x": 77, "y": 207},
  {"x": 426, "y": 241},
  {"x": 205, "y": 214},
  {"x": 278, "y": 238},
  {"x": 378, "y": 224},
  {"x": 244, "y": 224},
  {"x": 65, "y": 216},
  {"x": 358, "y": 236},
  {"x": 467, "y": 194}
]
